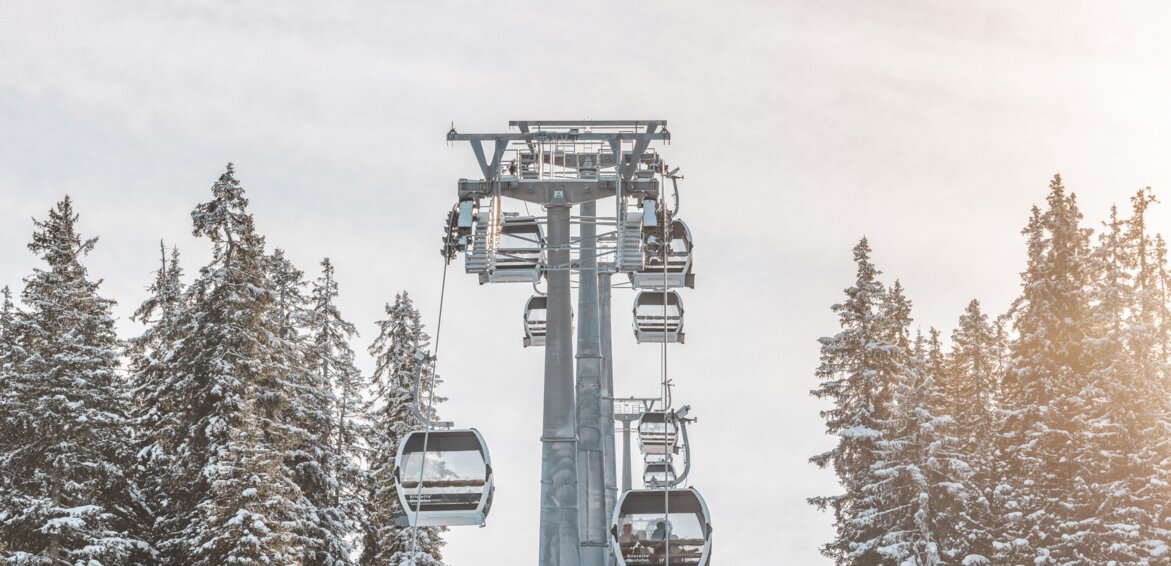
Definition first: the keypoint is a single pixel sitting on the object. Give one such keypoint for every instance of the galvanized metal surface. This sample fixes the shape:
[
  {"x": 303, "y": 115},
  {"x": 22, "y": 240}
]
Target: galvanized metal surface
[
  {"x": 606, "y": 418},
  {"x": 627, "y": 476},
  {"x": 591, "y": 476},
  {"x": 560, "y": 539},
  {"x": 558, "y": 190}
]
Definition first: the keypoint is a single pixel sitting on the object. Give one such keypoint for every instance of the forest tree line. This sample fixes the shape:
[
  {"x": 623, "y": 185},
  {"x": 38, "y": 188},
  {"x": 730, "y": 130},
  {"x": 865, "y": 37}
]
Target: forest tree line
[
  {"x": 236, "y": 429},
  {"x": 1041, "y": 436}
]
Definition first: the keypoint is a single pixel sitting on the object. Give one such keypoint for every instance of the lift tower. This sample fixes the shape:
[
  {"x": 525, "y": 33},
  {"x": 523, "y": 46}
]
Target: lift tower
[{"x": 559, "y": 165}]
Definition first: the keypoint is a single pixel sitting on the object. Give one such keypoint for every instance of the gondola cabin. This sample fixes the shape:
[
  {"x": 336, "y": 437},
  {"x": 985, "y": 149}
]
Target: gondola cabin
[
  {"x": 536, "y": 323},
  {"x": 658, "y": 317},
  {"x": 443, "y": 478},
  {"x": 666, "y": 265},
  {"x": 661, "y": 527},
  {"x": 657, "y": 474},
  {"x": 520, "y": 251},
  {"x": 658, "y": 433}
]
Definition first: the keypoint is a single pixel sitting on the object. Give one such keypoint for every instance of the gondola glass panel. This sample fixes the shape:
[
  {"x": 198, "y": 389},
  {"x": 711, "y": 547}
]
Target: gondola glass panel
[
  {"x": 456, "y": 478},
  {"x": 662, "y": 527},
  {"x": 658, "y": 317},
  {"x": 655, "y": 474},
  {"x": 657, "y": 433},
  {"x": 678, "y": 252}
]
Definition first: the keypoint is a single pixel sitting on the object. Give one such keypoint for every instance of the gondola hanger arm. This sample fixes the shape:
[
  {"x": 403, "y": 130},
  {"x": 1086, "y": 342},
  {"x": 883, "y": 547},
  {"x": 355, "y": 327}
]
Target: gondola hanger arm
[{"x": 423, "y": 360}]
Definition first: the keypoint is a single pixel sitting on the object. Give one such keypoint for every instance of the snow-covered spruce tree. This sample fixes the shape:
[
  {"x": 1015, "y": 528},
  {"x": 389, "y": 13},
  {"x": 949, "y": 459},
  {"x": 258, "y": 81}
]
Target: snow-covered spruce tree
[
  {"x": 67, "y": 499},
  {"x": 400, "y": 337},
  {"x": 8, "y": 439},
  {"x": 7, "y": 312},
  {"x": 858, "y": 365},
  {"x": 308, "y": 422},
  {"x": 1124, "y": 420},
  {"x": 1159, "y": 295},
  {"x": 1044, "y": 496},
  {"x": 1162, "y": 288},
  {"x": 248, "y": 487},
  {"x": 331, "y": 361},
  {"x": 969, "y": 379},
  {"x": 154, "y": 403},
  {"x": 7, "y": 338},
  {"x": 959, "y": 513},
  {"x": 1162, "y": 332},
  {"x": 7, "y": 347},
  {"x": 900, "y": 499},
  {"x": 226, "y": 375}
]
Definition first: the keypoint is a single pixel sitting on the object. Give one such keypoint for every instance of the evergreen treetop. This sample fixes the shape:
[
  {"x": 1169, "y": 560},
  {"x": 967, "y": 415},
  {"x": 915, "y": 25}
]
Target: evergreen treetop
[{"x": 67, "y": 497}]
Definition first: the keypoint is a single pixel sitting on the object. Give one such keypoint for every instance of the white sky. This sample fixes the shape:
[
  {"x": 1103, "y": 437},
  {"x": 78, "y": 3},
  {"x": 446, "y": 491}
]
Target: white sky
[{"x": 800, "y": 126}]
